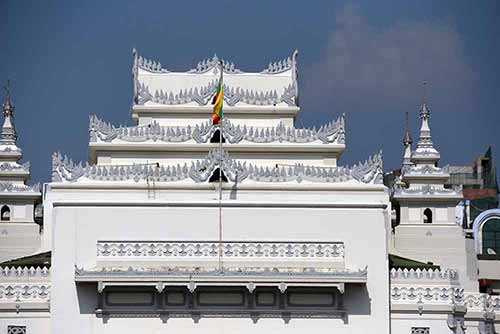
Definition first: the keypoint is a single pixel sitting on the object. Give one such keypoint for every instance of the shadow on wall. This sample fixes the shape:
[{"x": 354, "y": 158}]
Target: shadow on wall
[
  {"x": 87, "y": 297},
  {"x": 357, "y": 300}
]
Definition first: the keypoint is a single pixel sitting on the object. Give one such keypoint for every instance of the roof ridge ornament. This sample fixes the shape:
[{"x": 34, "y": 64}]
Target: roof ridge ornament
[
  {"x": 213, "y": 63},
  {"x": 202, "y": 95},
  {"x": 147, "y": 64},
  {"x": 283, "y": 65},
  {"x": 368, "y": 172},
  {"x": 330, "y": 133}
]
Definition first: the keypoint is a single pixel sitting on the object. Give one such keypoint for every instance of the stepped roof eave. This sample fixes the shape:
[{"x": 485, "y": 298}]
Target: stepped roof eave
[
  {"x": 200, "y": 170},
  {"x": 432, "y": 155},
  {"x": 10, "y": 151},
  {"x": 248, "y": 185},
  {"x": 428, "y": 198},
  {"x": 195, "y": 109},
  {"x": 423, "y": 178},
  {"x": 331, "y": 135},
  {"x": 23, "y": 174},
  {"x": 210, "y": 276},
  {"x": 151, "y": 146},
  {"x": 18, "y": 194}
]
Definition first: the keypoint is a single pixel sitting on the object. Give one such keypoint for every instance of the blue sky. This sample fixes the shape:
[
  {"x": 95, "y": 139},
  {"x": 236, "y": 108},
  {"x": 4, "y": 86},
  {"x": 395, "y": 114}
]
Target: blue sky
[{"x": 367, "y": 59}]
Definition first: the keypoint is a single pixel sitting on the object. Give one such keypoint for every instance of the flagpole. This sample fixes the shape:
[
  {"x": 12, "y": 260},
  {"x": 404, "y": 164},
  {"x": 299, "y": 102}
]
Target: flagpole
[{"x": 220, "y": 171}]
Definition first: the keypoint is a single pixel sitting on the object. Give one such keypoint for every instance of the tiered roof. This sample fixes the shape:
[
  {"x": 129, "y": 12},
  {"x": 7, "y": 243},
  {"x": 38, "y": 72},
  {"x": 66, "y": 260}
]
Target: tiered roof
[
  {"x": 420, "y": 173},
  {"x": 131, "y": 154},
  {"x": 13, "y": 174}
]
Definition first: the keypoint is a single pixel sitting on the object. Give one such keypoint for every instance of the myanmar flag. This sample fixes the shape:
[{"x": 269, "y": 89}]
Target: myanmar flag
[{"x": 217, "y": 102}]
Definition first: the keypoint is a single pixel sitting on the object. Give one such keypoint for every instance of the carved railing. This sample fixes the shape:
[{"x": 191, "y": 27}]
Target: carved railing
[
  {"x": 24, "y": 285},
  {"x": 424, "y": 275},
  {"x": 230, "y": 249}
]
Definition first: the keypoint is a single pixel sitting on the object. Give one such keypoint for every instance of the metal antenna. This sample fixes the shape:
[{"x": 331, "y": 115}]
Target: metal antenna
[
  {"x": 424, "y": 92},
  {"x": 7, "y": 89}
]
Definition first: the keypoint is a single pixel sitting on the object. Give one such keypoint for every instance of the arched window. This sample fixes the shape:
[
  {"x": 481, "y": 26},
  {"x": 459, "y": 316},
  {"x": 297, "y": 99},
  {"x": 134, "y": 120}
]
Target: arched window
[
  {"x": 216, "y": 137},
  {"x": 491, "y": 237},
  {"x": 215, "y": 176},
  {"x": 5, "y": 213},
  {"x": 427, "y": 216}
]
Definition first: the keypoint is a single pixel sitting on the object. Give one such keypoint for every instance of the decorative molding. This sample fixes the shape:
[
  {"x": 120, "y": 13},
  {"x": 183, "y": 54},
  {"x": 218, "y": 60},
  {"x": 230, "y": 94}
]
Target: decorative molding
[
  {"x": 7, "y": 186},
  {"x": 227, "y": 272},
  {"x": 23, "y": 284},
  {"x": 482, "y": 302},
  {"x": 21, "y": 292},
  {"x": 282, "y": 65},
  {"x": 209, "y": 64},
  {"x": 332, "y": 132},
  {"x": 209, "y": 249},
  {"x": 16, "y": 273},
  {"x": 427, "y": 190},
  {"x": 368, "y": 172},
  {"x": 202, "y": 95},
  {"x": 147, "y": 64},
  {"x": 8, "y": 149},
  {"x": 425, "y": 274},
  {"x": 213, "y": 63},
  {"x": 14, "y": 167},
  {"x": 418, "y": 294},
  {"x": 424, "y": 170}
]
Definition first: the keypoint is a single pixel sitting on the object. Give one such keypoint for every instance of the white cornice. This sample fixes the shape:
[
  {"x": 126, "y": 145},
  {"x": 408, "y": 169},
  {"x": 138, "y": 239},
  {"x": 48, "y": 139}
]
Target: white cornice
[{"x": 223, "y": 203}]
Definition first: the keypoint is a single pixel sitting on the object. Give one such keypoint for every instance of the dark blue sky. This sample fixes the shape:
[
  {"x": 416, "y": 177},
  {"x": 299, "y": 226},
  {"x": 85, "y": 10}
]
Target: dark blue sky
[{"x": 368, "y": 59}]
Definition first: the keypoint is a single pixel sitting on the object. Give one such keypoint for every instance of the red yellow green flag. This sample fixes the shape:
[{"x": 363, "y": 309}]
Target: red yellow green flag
[{"x": 217, "y": 102}]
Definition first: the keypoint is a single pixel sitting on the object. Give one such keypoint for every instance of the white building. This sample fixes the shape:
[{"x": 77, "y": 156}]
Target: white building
[{"x": 143, "y": 238}]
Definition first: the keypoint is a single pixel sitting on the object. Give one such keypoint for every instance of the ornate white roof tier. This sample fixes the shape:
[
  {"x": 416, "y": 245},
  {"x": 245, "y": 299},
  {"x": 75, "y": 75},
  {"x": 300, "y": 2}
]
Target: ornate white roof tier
[
  {"x": 199, "y": 171},
  {"x": 275, "y": 85},
  {"x": 330, "y": 133},
  {"x": 314, "y": 146},
  {"x": 271, "y": 91}
]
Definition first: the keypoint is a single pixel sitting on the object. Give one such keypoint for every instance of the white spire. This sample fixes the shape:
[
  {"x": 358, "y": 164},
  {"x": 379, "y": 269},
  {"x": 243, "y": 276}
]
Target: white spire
[
  {"x": 425, "y": 153},
  {"x": 8, "y": 131},
  {"x": 407, "y": 141}
]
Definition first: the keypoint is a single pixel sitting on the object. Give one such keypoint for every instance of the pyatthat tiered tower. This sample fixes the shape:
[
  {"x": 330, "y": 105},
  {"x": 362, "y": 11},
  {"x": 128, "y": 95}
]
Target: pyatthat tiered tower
[
  {"x": 141, "y": 241},
  {"x": 19, "y": 234}
]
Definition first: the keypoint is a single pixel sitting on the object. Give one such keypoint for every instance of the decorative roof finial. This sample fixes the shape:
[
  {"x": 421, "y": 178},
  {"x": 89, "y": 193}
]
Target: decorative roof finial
[
  {"x": 407, "y": 138},
  {"x": 8, "y": 108},
  {"x": 8, "y": 135},
  {"x": 425, "y": 153},
  {"x": 424, "y": 112}
]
